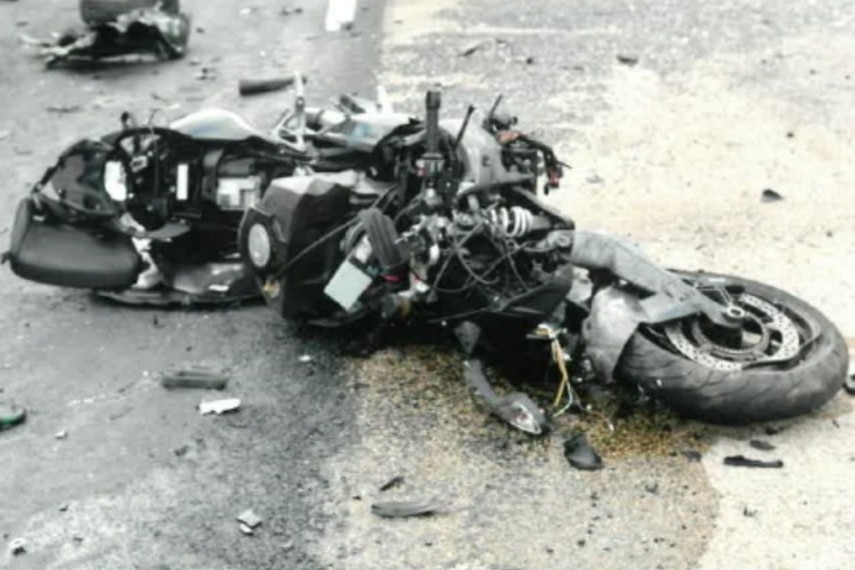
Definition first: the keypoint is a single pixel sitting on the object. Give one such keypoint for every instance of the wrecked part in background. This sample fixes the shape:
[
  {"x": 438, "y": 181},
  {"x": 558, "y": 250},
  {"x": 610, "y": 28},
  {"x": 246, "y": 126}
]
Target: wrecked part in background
[
  {"x": 117, "y": 30},
  {"x": 357, "y": 216}
]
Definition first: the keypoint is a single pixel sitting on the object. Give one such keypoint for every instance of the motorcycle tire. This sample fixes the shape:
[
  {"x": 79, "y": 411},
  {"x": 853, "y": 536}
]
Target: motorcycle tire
[
  {"x": 95, "y": 12},
  {"x": 697, "y": 387}
]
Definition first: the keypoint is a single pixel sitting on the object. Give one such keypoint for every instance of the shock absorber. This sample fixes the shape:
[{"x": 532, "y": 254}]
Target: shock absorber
[{"x": 515, "y": 221}]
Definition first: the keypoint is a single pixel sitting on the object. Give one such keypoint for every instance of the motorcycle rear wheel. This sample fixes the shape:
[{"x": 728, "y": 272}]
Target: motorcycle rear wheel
[{"x": 786, "y": 360}]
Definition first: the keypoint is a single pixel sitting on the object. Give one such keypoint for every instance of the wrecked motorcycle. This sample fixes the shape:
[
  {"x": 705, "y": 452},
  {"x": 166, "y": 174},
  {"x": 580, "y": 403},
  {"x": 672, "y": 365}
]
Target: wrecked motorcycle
[
  {"x": 442, "y": 225},
  {"x": 149, "y": 215}
]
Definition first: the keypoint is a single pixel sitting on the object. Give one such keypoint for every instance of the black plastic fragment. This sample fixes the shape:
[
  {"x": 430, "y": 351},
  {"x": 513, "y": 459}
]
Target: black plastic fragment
[
  {"x": 627, "y": 59},
  {"x": 405, "y": 509},
  {"x": 580, "y": 454},
  {"x": 761, "y": 445},
  {"x": 742, "y": 461},
  {"x": 395, "y": 481},
  {"x": 770, "y": 195}
]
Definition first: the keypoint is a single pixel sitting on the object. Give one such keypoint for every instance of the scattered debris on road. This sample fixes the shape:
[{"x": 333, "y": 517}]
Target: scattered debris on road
[
  {"x": 405, "y": 509},
  {"x": 770, "y": 195},
  {"x": 248, "y": 87},
  {"x": 742, "y": 461},
  {"x": 580, "y": 454},
  {"x": 395, "y": 481},
  {"x": 64, "y": 109},
  {"x": 194, "y": 377},
  {"x": 219, "y": 407},
  {"x": 692, "y": 455},
  {"x": 761, "y": 445},
  {"x": 471, "y": 49},
  {"x": 11, "y": 415},
  {"x": 18, "y": 546},
  {"x": 629, "y": 60},
  {"x": 249, "y": 521},
  {"x": 142, "y": 32}
]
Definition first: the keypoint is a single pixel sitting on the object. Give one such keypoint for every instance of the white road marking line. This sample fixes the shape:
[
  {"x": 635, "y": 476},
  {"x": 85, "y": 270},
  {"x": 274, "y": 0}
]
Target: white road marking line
[{"x": 340, "y": 13}]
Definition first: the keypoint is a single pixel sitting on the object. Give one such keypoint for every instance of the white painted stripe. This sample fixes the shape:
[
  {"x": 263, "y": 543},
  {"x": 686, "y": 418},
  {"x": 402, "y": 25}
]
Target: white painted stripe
[{"x": 340, "y": 13}]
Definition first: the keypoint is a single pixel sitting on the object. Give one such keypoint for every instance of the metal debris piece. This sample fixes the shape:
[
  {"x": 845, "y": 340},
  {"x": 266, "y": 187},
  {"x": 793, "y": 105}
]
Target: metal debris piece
[
  {"x": 18, "y": 546},
  {"x": 580, "y": 454},
  {"x": 194, "y": 377},
  {"x": 761, "y": 445},
  {"x": 770, "y": 195},
  {"x": 249, "y": 519},
  {"x": 405, "y": 509},
  {"x": 61, "y": 435},
  {"x": 219, "y": 406},
  {"x": 629, "y": 60},
  {"x": 395, "y": 481},
  {"x": 742, "y": 461}
]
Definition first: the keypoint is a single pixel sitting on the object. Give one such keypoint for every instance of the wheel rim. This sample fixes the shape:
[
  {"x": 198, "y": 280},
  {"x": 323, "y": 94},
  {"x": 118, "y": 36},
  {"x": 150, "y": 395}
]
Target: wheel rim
[{"x": 766, "y": 333}]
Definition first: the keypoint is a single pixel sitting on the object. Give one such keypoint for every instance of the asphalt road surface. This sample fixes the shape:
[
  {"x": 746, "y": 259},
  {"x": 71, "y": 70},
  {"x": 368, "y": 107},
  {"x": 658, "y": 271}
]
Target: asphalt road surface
[{"x": 672, "y": 145}]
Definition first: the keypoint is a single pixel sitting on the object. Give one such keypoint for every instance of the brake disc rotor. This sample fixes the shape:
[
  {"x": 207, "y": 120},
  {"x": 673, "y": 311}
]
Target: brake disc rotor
[{"x": 700, "y": 352}]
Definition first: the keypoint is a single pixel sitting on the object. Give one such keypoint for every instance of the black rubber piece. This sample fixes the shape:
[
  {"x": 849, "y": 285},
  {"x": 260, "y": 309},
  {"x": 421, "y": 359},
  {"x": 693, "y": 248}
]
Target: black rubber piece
[
  {"x": 580, "y": 454},
  {"x": 742, "y": 461},
  {"x": 758, "y": 394}
]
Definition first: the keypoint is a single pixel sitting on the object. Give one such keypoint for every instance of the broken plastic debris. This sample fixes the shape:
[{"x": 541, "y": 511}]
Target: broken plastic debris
[
  {"x": 61, "y": 435},
  {"x": 392, "y": 483},
  {"x": 249, "y": 519},
  {"x": 194, "y": 377},
  {"x": 305, "y": 358},
  {"x": 580, "y": 454},
  {"x": 770, "y": 195},
  {"x": 742, "y": 461},
  {"x": 11, "y": 415},
  {"x": 404, "y": 509},
  {"x": 18, "y": 546},
  {"x": 219, "y": 406},
  {"x": 245, "y": 529},
  {"x": 761, "y": 445},
  {"x": 627, "y": 59}
]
